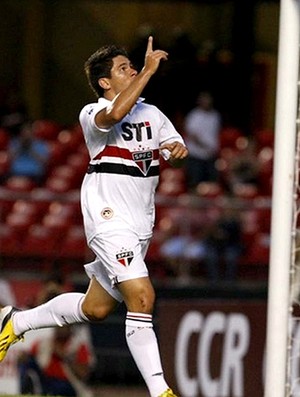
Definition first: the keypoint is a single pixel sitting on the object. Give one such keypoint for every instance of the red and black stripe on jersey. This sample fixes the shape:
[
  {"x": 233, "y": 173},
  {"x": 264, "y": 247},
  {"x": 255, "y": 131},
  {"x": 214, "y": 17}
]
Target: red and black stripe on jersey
[{"x": 143, "y": 166}]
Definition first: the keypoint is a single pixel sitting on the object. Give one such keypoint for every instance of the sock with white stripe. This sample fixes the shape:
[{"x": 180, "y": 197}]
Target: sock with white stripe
[
  {"x": 62, "y": 310},
  {"x": 142, "y": 343}
]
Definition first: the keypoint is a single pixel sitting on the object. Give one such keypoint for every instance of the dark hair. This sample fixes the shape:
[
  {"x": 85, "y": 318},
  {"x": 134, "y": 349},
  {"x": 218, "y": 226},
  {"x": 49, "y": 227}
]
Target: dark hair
[{"x": 100, "y": 64}]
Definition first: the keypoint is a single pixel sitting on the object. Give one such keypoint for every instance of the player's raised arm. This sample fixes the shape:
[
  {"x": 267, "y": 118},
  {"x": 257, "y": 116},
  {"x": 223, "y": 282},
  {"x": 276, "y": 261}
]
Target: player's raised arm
[{"x": 125, "y": 95}]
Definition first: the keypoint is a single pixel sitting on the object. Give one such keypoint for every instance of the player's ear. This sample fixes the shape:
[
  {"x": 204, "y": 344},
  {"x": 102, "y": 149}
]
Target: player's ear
[{"x": 104, "y": 83}]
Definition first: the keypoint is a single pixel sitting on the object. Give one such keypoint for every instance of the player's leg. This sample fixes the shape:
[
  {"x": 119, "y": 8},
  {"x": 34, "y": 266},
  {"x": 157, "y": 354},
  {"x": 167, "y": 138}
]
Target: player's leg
[
  {"x": 140, "y": 336},
  {"x": 65, "y": 309},
  {"x": 122, "y": 255}
]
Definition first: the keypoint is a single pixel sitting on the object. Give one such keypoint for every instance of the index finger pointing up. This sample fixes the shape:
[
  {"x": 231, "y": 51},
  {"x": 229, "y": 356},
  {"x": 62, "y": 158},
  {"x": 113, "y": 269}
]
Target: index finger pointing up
[{"x": 150, "y": 44}]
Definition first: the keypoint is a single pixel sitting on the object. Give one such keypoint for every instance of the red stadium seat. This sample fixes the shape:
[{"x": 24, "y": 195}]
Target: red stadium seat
[
  {"x": 56, "y": 224},
  {"x": 259, "y": 250},
  {"x": 46, "y": 129},
  {"x": 264, "y": 138},
  {"x": 42, "y": 197},
  {"x": 4, "y": 139},
  {"x": 20, "y": 184},
  {"x": 58, "y": 184},
  {"x": 40, "y": 241},
  {"x": 74, "y": 244},
  {"x": 231, "y": 137},
  {"x": 4, "y": 164},
  {"x": 70, "y": 140},
  {"x": 20, "y": 222},
  {"x": 6, "y": 204},
  {"x": 25, "y": 208},
  {"x": 245, "y": 191},
  {"x": 79, "y": 162},
  {"x": 10, "y": 242},
  {"x": 69, "y": 211},
  {"x": 209, "y": 189},
  {"x": 172, "y": 182},
  {"x": 74, "y": 252},
  {"x": 56, "y": 154}
]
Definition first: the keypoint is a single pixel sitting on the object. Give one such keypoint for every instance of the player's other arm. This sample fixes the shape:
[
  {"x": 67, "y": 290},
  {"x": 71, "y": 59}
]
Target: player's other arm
[
  {"x": 178, "y": 153},
  {"x": 125, "y": 100}
]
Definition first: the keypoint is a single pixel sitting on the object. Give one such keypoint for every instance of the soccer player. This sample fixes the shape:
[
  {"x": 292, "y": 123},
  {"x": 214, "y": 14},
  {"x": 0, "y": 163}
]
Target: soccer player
[{"x": 125, "y": 138}]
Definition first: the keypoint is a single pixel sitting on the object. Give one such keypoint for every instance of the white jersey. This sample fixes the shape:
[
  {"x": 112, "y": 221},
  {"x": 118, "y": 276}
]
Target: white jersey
[{"x": 118, "y": 191}]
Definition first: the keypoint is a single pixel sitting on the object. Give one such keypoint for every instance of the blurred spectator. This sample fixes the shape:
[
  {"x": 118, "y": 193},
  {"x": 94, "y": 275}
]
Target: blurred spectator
[
  {"x": 13, "y": 113},
  {"x": 53, "y": 285},
  {"x": 60, "y": 360},
  {"x": 224, "y": 246},
  {"x": 202, "y": 129},
  {"x": 182, "y": 251},
  {"x": 28, "y": 155},
  {"x": 244, "y": 167}
]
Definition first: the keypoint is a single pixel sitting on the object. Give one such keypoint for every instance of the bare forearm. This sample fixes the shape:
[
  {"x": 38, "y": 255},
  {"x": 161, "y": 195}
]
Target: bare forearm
[{"x": 125, "y": 100}]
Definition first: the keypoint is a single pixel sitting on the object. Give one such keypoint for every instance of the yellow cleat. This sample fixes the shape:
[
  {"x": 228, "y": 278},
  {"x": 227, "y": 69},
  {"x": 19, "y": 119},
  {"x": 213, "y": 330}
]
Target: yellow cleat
[
  {"x": 168, "y": 393},
  {"x": 7, "y": 335}
]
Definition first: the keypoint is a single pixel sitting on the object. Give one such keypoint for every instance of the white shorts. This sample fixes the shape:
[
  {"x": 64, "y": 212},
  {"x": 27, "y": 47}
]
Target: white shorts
[{"x": 119, "y": 257}]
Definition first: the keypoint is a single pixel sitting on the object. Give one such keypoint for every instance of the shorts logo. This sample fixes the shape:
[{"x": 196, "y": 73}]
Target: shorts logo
[
  {"x": 107, "y": 213},
  {"x": 143, "y": 160},
  {"x": 125, "y": 257}
]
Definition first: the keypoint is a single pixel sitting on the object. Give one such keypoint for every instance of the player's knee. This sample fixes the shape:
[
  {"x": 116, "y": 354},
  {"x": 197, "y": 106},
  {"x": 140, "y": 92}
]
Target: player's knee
[
  {"x": 95, "y": 312},
  {"x": 143, "y": 302}
]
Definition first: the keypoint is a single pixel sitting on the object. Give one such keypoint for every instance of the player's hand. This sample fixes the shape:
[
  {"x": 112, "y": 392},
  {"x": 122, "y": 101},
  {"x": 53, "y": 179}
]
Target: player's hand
[
  {"x": 177, "y": 151},
  {"x": 153, "y": 57}
]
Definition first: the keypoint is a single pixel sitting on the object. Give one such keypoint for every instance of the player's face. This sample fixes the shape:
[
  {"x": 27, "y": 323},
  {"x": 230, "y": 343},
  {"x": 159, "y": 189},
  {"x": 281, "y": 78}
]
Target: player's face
[{"x": 122, "y": 74}]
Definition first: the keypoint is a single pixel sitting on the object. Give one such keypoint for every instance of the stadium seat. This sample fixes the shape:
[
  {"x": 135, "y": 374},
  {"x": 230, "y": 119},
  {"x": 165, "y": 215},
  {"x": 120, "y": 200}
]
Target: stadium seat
[
  {"x": 6, "y": 204},
  {"x": 265, "y": 161},
  {"x": 172, "y": 182},
  {"x": 4, "y": 164},
  {"x": 74, "y": 252},
  {"x": 42, "y": 197},
  {"x": 246, "y": 191},
  {"x": 56, "y": 224},
  {"x": 79, "y": 162},
  {"x": 209, "y": 189},
  {"x": 20, "y": 184},
  {"x": 10, "y": 242},
  {"x": 74, "y": 244},
  {"x": 56, "y": 155},
  {"x": 70, "y": 211},
  {"x": 67, "y": 172},
  {"x": 19, "y": 221},
  {"x": 258, "y": 252},
  {"x": 46, "y": 129},
  {"x": 69, "y": 140},
  {"x": 4, "y": 139},
  {"x": 58, "y": 184},
  {"x": 264, "y": 138},
  {"x": 231, "y": 137},
  {"x": 40, "y": 241},
  {"x": 25, "y": 208}
]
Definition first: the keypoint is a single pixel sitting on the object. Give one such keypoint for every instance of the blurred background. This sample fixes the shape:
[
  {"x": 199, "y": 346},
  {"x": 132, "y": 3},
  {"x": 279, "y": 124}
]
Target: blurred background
[{"x": 212, "y": 233}]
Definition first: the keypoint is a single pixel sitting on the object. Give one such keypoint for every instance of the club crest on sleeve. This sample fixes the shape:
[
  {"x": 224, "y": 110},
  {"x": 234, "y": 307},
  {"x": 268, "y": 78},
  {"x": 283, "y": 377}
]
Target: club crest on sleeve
[
  {"x": 107, "y": 213},
  {"x": 125, "y": 257}
]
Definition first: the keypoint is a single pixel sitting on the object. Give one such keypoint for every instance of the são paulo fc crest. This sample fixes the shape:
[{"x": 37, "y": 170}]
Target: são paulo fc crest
[
  {"x": 125, "y": 257},
  {"x": 143, "y": 160}
]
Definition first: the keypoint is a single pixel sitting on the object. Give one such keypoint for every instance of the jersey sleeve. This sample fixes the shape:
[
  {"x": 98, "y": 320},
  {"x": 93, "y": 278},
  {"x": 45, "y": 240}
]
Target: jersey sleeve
[
  {"x": 168, "y": 133},
  {"x": 88, "y": 113}
]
